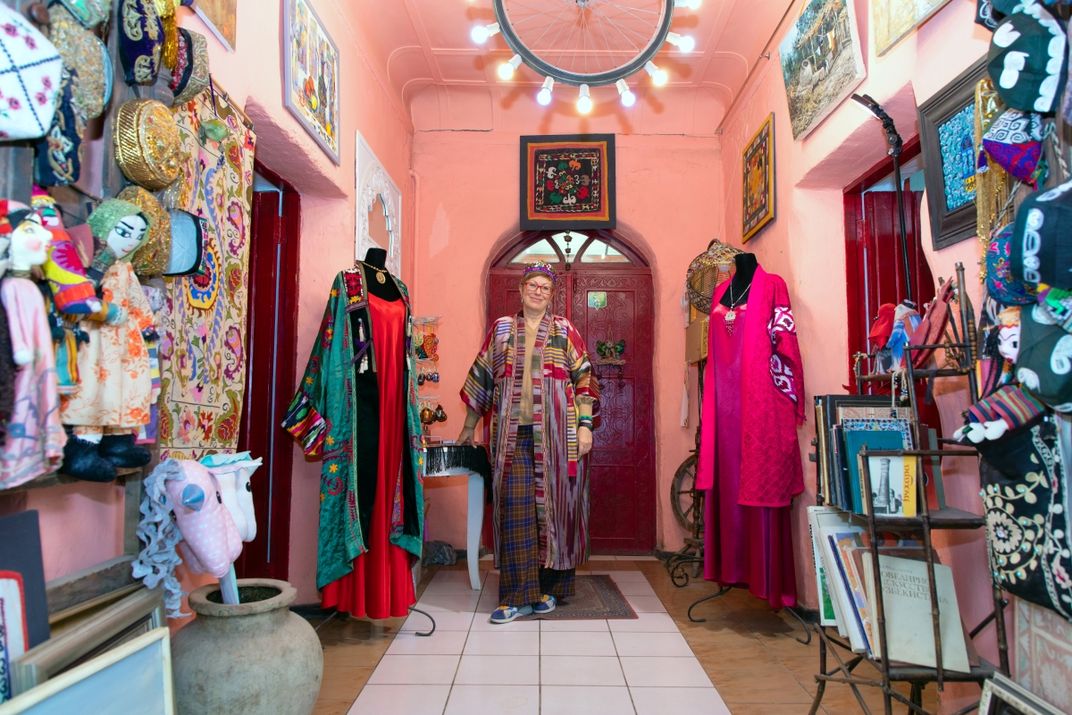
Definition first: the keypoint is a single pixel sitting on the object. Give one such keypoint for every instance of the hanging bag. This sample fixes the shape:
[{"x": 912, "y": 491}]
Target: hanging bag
[{"x": 931, "y": 330}]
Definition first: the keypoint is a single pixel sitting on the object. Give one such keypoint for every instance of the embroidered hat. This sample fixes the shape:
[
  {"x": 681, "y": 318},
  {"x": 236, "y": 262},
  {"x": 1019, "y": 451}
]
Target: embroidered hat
[
  {"x": 1000, "y": 283},
  {"x": 987, "y": 15},
  {"x": 1057, "y": 302},
  {"x": 1041, "y": 250},
  {"x": 141, "y": 40},
  {"x": 542, "y": 268},
  {"x": 147, "y": 143},
  {"x": 1027, "y": 59},
  {"x": 57, "y": 160},
  {"x": 89, "y": 13},
  {"x": 191, "y": 74},
  {"x": 30, "y": 69},
  {"x": 1014, "y": 142},
  {"x": 83, "y": 52},
  {"x": 152, "y": 258},
  {"x": 187, "y": 243},
  {"x": 1044, "y": 365},
  {"x": 108, "y": 214}
]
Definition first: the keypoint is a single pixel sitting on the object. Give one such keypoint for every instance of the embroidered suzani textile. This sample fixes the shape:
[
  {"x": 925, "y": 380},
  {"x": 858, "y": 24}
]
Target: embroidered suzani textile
[{"x": 202, "y": 349}]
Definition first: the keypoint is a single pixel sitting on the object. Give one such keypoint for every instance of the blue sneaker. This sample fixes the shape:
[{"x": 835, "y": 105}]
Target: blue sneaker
[
  {"x": 505, "y": 614},
  {"x": 546, "y": 604}
]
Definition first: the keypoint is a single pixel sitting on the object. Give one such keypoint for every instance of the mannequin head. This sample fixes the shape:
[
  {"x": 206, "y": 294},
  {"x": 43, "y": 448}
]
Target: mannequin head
[
  {"x": 376, "y": 257},
  {"x": 29, "y": 241}
]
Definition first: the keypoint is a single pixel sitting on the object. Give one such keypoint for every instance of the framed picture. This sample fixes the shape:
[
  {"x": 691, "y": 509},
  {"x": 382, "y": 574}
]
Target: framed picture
[
  {"x": 758, "y": 177},
  {"x": 947, "y": 135},
  {"x": 821, "y": 62},
  {"x": 567, "y": 182},
  {"x": 81, "y": 641},
  {"x": 311, "y": 75},
  {"x": 892, "y": 20},
  {"x": 221, "y": 18},
  {"x": 1002, "y": 696},
  {"x": 130, "y": 679}
]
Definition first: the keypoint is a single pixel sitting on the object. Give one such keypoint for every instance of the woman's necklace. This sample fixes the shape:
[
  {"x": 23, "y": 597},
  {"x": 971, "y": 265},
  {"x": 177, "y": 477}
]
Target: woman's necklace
[
  {"x": 381, "y": 273},
  {"x": 731, "y": 314}
]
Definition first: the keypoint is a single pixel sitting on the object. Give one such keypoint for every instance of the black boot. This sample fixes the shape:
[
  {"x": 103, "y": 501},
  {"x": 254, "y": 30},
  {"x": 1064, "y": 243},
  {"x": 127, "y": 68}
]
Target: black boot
[
  {"x": 120, "y": 450},
  {"x": 81, "y": 460}
]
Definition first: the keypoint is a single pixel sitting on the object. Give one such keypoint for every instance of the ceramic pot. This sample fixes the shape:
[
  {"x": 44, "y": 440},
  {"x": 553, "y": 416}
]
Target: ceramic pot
[{"x": 253, "y": 658}]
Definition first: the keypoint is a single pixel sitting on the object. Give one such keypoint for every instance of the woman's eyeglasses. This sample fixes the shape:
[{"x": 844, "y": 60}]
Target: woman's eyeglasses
[{"x": 538, "y": 288}]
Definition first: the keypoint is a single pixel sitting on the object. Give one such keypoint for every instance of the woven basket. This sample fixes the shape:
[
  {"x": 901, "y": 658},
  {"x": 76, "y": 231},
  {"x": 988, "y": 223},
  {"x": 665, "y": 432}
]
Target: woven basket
[
  {"x": 148, "y": 146},
  {"x": 706, "y": 271},
  {"x": 151, "y": 259}
]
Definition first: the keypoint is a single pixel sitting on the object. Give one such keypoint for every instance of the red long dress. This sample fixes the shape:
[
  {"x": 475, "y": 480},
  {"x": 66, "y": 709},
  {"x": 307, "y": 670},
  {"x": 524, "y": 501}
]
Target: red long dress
[{"x": 381, "y": 584}]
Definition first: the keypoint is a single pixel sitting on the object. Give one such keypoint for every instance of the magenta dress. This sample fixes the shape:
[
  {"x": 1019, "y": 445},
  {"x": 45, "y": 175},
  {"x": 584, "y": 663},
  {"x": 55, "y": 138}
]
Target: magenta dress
[{"x": 744, "y": 546}]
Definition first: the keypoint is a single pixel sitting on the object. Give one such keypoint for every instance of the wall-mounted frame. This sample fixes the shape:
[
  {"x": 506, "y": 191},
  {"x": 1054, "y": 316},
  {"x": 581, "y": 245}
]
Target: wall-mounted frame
[
  {"x": 893, "y": 20},
  {"x": 1001, "y": 696},
  {"x": 947, "y": 137},
  {"x": 132, "y": 678},
  {"x": 757, "y": 176},
  {"x": 376, "y": 191},
  {"x": 134, "y": 615},
  {"x": 567, "y": 181},
  {"x": 311, "y": 75},
  {"x": 221, "y": 18}
]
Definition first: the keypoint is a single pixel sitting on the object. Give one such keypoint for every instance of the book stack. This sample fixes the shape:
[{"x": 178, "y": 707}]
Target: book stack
[{"x": 845, "y": 578}]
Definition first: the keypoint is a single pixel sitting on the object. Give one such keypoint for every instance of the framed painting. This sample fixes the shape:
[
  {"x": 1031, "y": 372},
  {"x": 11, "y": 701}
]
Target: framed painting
[
  {"x": 821, "y": 62},
  {"x": 567, "y": 181},
  {"x": 1002, "y": 696},
  {"x": 892, "y": 20},
  {"x": 311, "y": 75},
  {"x": 221, "y": 18},
  {"x": 947, "y": 136},
  {"x": 758, "y": 181}
]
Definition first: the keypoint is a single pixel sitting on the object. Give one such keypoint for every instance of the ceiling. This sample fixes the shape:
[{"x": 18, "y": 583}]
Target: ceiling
[{"x": 426, "y": 48}]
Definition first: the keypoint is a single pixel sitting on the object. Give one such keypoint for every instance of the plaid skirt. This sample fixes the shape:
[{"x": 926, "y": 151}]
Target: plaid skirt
[{"x": 521, "y": 578}]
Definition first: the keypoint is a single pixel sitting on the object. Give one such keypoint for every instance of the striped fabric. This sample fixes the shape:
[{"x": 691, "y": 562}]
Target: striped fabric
[
  {"x": 522, "y": 581},
  {"x": 493, "y": 387},
  {"x": 1011, "y": 404}
]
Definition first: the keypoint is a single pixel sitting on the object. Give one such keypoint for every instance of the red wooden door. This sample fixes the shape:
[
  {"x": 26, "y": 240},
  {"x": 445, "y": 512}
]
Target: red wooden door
[
  {"x": 611, "y": 306},
  {"x": 272, "y": 342}
]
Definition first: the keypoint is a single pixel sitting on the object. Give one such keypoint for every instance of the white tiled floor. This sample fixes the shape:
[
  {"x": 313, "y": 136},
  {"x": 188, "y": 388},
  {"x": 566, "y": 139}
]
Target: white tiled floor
[{"x": 641, "y": 666}]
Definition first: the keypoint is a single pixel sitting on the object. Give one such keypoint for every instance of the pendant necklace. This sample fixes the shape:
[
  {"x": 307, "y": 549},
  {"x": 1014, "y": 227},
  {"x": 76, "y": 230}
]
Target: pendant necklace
[
  {"x": 731, "y": 314},
  {"x": 381, "y": 278}
]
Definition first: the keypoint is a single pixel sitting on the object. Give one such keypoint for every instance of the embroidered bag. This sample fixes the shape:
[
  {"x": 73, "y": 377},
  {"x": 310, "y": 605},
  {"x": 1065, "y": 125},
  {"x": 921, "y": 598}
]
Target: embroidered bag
[{"x": 932, "y": 327}]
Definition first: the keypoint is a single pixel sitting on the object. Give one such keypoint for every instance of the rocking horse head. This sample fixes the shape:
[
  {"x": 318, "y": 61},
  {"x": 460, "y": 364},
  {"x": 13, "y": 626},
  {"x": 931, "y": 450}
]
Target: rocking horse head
[
  {"x": 233, "y": 473},
  {"x": 211, "y": 541}
]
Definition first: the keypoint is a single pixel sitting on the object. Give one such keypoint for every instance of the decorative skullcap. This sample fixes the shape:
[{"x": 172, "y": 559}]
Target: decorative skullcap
[{"x": 542, "y": 268}]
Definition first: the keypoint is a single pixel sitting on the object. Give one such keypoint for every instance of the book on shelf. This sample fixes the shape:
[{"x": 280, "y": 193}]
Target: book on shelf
[
  {"x": 893, "y": 484},
  {"x": 854, "y": 600},
  {"x": 819, "y": 516},
  {"x": 907, "y": 608},
  {"x": 856, "y": 440}
]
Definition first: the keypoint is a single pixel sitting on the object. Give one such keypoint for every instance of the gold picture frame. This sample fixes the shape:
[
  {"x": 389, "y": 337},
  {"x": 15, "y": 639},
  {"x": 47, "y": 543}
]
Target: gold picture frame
[{"x": 757, "y": 176}]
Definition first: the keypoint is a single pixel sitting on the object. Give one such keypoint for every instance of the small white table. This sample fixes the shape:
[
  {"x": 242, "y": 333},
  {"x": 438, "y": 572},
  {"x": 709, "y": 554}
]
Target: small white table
[{"x": 452, "y": 460}]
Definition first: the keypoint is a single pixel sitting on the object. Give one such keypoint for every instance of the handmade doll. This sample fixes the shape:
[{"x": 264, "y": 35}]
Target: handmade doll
[
  {"x": 35, "y": 438},
  {"x": 113, "y": 400}
]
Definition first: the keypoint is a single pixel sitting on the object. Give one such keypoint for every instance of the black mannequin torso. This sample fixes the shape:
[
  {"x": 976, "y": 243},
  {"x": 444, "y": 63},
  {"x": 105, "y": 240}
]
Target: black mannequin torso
[
  {"x": 745, "y": 265},
  {"x": 388, "y": 290}
]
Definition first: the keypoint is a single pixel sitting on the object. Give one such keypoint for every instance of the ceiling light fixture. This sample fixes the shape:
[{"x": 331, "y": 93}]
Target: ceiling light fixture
[
  {"x": 506, "y": 69},
  {"x": 625, "y": 94},
  {"x": 544, "y": 95},
  {"x": 584, "y": 100},
  {"x": 629, "y": 41}
]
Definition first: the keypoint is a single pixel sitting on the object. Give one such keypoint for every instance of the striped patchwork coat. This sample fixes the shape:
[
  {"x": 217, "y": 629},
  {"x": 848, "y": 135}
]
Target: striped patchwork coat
[{"x": 562, "y": 379}]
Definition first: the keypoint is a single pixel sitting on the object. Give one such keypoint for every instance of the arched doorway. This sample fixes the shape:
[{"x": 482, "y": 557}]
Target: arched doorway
[{"x": 606, "y": 291}]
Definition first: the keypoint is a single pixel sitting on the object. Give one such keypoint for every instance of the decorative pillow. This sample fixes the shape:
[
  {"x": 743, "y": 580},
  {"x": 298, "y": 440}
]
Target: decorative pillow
[
  {"x": 141, "y": 39},
  {"x": 152, "y": 257},
  {"x": 30, "y": 68},
  {"x": 1024, "y": 493},
  {"x": 57, "y": 160},
  {"x": 148, "y": 146}
]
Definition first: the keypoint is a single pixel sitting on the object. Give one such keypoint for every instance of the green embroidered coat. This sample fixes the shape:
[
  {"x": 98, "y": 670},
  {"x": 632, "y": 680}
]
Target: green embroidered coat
[{"x": 335, "y": 417}]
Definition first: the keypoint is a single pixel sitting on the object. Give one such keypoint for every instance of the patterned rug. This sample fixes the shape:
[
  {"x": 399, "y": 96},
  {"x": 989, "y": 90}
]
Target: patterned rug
[{"x": 597, "y": 597}]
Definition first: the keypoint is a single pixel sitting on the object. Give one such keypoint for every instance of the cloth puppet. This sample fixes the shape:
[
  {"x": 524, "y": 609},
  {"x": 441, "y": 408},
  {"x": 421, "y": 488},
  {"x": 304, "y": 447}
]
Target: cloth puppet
[
  {"x": 182, "y": 501},
  {"x": 1008, "y": 408},
  {"x": 113, "y": 400},
  {"x": 35, "y": 438},
  {"x": 233, "y": 473},
  {"x": 905, "y": 322}
]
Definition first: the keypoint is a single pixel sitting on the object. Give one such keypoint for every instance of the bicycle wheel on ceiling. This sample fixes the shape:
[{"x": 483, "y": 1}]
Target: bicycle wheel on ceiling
[{"x": 594, "y": 42}]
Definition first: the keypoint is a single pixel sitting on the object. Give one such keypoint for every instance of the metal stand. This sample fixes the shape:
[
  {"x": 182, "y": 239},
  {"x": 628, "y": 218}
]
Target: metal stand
[
  {"x": 414, "y": 609},
  {"x": 723, "y": 590}
]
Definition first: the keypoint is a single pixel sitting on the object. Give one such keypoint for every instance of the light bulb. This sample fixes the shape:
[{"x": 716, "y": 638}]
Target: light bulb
[
  {"x": 544, "y": 95},
  {"x": 626, "y": 95},
  {"x": 506, "y": 69},
  {"x": 688, "y": 4},
  {"x": 685, "y": 43},
  {"x": 659, "y": 76},
  {"x": 480, "y": 33},
  {"x": 584, "y": 101}
]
